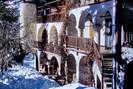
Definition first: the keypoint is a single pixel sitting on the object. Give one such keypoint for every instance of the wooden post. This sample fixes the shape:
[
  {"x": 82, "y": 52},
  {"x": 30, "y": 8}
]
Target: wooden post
[
  {"x": 118, "y": 29},
  {"x": 118, "y": 23}
]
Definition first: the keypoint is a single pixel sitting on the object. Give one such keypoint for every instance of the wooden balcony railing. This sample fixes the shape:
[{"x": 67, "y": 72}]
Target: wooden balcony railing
[
  {"x": 37, "y": 44},
  {"x": 84, "y": 44},
  {"x": 53, "y": 48}
]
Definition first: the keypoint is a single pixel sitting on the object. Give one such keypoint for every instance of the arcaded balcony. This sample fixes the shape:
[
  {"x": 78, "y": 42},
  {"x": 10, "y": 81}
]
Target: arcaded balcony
[{"x": 53, "y": 48}]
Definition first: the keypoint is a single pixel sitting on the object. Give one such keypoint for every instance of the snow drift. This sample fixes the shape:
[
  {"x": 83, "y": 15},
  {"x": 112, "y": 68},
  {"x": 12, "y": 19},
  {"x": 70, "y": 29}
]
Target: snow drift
[{"x": 74, "y": 86}]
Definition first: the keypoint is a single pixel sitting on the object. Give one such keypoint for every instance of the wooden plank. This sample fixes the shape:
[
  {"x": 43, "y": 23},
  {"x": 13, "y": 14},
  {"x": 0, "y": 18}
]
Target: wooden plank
[{"x": 52, "y": 2}]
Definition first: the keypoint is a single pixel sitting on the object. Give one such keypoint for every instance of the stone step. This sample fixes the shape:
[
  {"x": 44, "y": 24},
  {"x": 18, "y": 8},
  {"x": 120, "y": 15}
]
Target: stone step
[
  {"x": 109, "y": 71},
  {"x": 108, "y": 55},
  {"x": 108, "y": 80},
  {"x": 109, "y": 88},
  {"x": 107, "y": 60},
  {"x": 107, "y": 66},
  {"x": 106, "y": 75},
  {"x": 109, "y": 85}
]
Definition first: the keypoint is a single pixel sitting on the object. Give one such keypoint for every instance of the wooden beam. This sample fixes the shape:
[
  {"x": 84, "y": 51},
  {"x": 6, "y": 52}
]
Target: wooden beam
[{"x": 52, "y": 2}]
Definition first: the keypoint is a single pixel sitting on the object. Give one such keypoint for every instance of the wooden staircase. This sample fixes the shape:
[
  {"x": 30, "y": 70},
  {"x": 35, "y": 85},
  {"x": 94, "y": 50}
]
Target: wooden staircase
[{"x": 107, "y": 71}]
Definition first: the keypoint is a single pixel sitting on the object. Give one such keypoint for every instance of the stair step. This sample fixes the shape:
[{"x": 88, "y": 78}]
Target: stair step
[
  {"x": 107, "y": 60},
  {"x": 108, "y": 71},
  {"x": 109, "y": 88},
  {"x": 109, "y": 55},
  {"x": 109, "y": 84},
  {"x": 110, "y": 65},
  {"x": 105, "y": 75},
  {"x": 108, "y": 80},
  {"x": 107, "y": 67}
]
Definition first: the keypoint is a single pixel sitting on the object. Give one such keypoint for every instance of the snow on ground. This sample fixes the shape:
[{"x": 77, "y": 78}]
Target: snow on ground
[
  {"x": 127, "y": 54},
  {"x": 74, "y": 86},
  {"x": 29, "y": 61},
  {"x": 25, "y": 77}
]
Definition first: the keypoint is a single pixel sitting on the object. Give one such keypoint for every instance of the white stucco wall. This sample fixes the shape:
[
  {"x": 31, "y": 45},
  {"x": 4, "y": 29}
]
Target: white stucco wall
[{"x": 93, "y": 10}]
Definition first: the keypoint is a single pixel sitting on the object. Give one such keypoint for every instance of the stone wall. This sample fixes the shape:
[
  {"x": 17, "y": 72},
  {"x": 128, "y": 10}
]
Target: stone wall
[{"x": 28, "y": 22}]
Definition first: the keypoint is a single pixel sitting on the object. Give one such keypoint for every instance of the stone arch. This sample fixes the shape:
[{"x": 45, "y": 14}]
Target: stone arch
[
  {"x": 40, "y": 33},
  {"x": 104, "y": 27},
  {"x": 44, "y": 38},
  {"x": 85, "y": 71},
  {"x": 71, "y": 65},
  {"x": 71, "y": 26},
  {"x": 43, "y": 62},
  {"x": 128, "y": 14},
  {"x": 53, "y": 36},
  {"x": 102, "y": 14},
  {"x": 54, "y": 66},
  {"x": 86, "y": 25}
]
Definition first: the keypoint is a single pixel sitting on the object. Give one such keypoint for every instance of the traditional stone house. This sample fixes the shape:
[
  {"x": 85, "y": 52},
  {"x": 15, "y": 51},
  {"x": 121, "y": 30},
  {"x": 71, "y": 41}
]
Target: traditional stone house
[{"x": 74, "y": 39}]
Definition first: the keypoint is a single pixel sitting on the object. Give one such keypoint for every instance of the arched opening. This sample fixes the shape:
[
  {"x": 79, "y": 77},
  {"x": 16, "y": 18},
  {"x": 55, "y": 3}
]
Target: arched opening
[
  {"x": 54, "y": 66},
  {"x": 71, "y": 26},
  {"x": 85, "y": 71},
  {"x": 43, "y": 62},
  {"x": 104, "y": 28},
  {"x": 86, "y": 25},
  {"x": 128, "y": 22},
  {"x": 128, "y": 77},
  {"x": 44, "y": 38},
  {"x": 108, "y": 31},
  {"x": 53, "y": 36},
  {"x": 71, "y": 71}
]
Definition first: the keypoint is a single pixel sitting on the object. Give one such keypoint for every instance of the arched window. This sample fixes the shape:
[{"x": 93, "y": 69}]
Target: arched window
[
  {"x": 54, "y": 66},
  {"x": 43, "y": 62},
  {"x": 104, "y": 28},
  {"x": 86, "y": 25},
  {"x": 44, "y": 38},
  {"x": 108, "y": 31},
  {"x": 85, "y": 71},
  {"x": 53, "y": 36},
  {"x": 71, "y": 65},
  {"x": 71, "y": 26}
]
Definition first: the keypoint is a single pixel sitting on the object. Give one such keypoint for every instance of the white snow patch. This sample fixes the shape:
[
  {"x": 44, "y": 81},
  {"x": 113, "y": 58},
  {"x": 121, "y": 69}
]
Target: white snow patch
[
  {"x": 127, "y": 54},
  {"x": 74, "y": 86}
]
